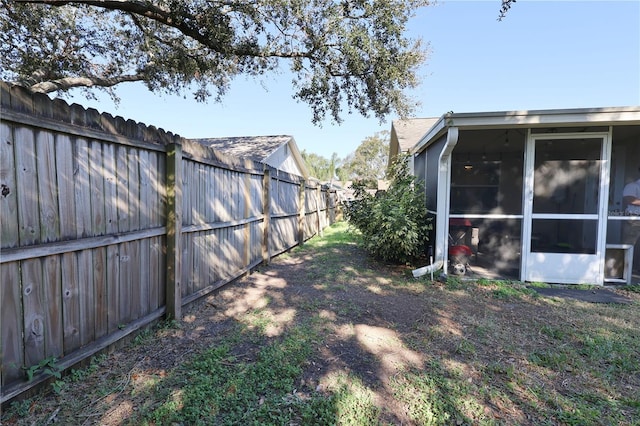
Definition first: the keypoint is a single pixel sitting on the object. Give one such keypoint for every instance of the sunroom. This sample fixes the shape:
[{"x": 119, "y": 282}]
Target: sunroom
[{"x": 533, "y": 196}]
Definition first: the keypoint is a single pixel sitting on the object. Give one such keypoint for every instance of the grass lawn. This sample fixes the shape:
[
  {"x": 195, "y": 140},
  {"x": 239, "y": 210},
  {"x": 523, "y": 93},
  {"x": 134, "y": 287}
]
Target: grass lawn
[{"x": 326, "y": 335}]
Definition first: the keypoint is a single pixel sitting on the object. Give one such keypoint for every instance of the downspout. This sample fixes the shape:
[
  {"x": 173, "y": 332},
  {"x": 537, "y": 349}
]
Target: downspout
[{"x": 442, "y": 205}]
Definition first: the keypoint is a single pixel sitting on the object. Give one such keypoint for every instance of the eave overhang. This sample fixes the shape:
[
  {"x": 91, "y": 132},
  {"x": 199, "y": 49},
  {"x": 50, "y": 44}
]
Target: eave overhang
[{"x": 535, "y": 118}]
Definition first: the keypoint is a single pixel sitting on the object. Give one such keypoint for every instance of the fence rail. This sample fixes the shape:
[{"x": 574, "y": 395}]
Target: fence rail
[{"x": 107, "y": 224}]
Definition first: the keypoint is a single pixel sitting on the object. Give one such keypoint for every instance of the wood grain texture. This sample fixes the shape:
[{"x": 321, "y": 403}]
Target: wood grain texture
[
  {"x": 12, "y": 323},
  {"x": 66, "y": 192},
  {"x": 8, "y": 189},
  {"x": 27, "y": 188},
  {"x": 82, "y": 188},
  {"x": 52, "y": 301},
  {"x": 70, "y": 302},
  {"x": 47, "y": 187}
]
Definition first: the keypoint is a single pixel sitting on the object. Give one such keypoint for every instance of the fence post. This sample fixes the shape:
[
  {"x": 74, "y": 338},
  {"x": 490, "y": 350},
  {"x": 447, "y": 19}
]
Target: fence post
[
  {"x": 266, "y": 213},
  {"x": 318, "y": 196},
  {"x": 174, "y": 230},
  {"x": 301, "y": 210},
  {"x": 331, "y": 210},
  {"x": 247, "y": 227}
]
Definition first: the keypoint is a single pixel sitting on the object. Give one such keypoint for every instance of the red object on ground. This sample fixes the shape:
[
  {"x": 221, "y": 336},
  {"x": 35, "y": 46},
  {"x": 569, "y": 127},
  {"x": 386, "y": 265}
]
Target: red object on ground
[{"x": 460, "y": 251}]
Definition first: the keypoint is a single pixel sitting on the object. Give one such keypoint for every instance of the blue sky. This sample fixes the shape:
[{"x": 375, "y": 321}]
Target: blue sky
[{"x": 544, "y": 55}]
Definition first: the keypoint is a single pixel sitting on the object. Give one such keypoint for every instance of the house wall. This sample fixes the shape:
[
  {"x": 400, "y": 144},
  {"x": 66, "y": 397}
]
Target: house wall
[{"x": 282, "y": 159}]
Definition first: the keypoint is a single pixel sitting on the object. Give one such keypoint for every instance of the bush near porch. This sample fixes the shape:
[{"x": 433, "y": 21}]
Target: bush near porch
[{"x": 392, "y": 225}]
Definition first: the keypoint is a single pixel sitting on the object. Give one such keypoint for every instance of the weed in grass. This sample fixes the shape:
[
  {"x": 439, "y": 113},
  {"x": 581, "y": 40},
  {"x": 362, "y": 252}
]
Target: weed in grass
[
  {"x": 537, "y": 284},
  {"x": 347, "y": 307},
  {"x": 500, "y": 368},
  {"x": 554, "y": 359},
  {"x": 48, "y": 366},
  {"x": 59, "y": 386},
  {"x": 465, "y": 347},
  {"x": 143, "y": 337},
  {"x": 505, "y": 293},
  {"x": 635, "y": 288},
  {"x": 507, "y": 290},
  {"x": 557, "y": 333},
  {"x": 19, "y": 408},
  {"x": 631, "y": 402},
  {"x": 312, "y": 305},
  {"x": 337, "y": 287},
  {"x": 482, "y": 330},
  {"x": 585, "y": 287},
  {"x": 484, "y": 282},
  {"x": 453, "y": 283}
]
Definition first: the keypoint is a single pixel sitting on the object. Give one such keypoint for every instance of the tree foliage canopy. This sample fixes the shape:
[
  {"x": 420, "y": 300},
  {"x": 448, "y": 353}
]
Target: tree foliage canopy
[
  {"x": 321, "y": 167},
  {"x": 506, "y": 5},
  {"x": 369, "y": 161},
  {"x": 350, "y": 54}
]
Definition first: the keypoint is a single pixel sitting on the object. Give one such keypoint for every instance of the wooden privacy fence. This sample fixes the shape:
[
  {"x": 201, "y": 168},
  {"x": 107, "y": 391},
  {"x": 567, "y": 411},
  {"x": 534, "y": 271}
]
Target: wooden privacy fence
[{"x": 107, "y": 224}]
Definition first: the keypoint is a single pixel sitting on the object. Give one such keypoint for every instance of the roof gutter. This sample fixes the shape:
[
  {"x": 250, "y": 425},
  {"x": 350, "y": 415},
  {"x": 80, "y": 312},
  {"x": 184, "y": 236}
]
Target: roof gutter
[{"x": 530, "y": 118}]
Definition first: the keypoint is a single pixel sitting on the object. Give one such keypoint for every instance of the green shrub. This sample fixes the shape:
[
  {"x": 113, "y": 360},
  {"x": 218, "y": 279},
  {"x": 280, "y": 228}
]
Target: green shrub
[{"x": 393, "y": 223}]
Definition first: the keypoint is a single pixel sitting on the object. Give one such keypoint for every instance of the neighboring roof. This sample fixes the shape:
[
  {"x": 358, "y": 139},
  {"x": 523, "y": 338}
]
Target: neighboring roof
[
  {"x": 606, "y": 116},
  {"x": 406, "y": 133},
  {"x": 257, "y": 148},
  {"x": 409, "y": 131}
]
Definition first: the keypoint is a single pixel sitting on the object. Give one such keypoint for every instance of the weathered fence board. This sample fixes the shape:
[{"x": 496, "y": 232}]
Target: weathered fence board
[
  {"x": 122, "y": 189},
  {"x": 8, "y": 189},
  {"x": 113, "y": 288},
  {"x": 12, "y": 323},
  {"x": 52, "y": 280},
  {"x": 97, "y": 181},
  {"x": 82, "y": 188},
  {"x": 107, "y": 224},
  {"x": 86, "y": 297},
  {"x": 70, "y": 302},
  {"x": 66, "y": 192},
  {"x": 101, "y": 294},
  {"x": 47, "y": 189},
  {"x": 34, "y": 311},
  {"x": 29, "y": 224}
]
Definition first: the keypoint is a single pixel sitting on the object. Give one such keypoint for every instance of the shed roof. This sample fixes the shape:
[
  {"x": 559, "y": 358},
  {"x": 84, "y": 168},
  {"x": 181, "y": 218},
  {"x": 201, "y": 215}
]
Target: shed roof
[{"x": 257, "y": 148}]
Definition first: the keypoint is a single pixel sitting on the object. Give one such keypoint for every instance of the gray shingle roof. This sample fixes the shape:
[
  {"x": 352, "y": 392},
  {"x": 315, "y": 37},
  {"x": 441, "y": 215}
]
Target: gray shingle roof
[
  {"x": 257, "y": 148},
  {"x": 411, "y": 130}
]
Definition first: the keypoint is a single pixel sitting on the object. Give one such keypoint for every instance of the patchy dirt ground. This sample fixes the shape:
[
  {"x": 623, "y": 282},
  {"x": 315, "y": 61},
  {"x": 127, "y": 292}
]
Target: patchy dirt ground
[{"x": 378, "y": 322}]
